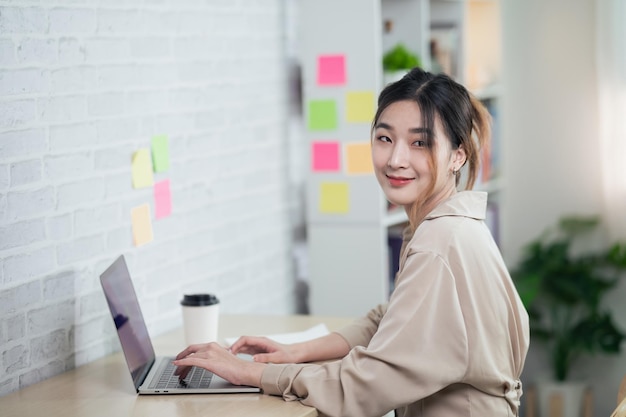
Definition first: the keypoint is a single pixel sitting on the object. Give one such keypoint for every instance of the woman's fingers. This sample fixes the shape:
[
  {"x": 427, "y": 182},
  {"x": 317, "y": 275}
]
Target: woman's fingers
[
  {"x": 267, "y": 358},
  {"x": 195, "y": 355},
  {"x": 191, "y": 350},
  {"x": 244, "y": 344},
  {"x": 253, "y": 345},
  {"x": 219, "y": 360},
  {"x": 185, "y": 364}
]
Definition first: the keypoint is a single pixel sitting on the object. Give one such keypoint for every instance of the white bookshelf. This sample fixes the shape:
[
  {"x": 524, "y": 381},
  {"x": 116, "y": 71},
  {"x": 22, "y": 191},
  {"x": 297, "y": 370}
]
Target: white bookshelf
[{"x": 348, "y": 233}]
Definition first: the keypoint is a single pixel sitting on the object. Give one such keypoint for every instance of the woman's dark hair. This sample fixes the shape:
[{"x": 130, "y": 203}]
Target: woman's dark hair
[{"x": 464, "y": 119}]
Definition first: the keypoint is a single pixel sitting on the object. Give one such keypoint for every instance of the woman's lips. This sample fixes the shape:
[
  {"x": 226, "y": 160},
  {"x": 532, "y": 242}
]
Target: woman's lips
[{"x": 398, "y": 181}]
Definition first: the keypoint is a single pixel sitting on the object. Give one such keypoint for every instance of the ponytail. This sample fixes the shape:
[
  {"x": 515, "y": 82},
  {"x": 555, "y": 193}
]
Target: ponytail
[{"x": 478, "y": 142}]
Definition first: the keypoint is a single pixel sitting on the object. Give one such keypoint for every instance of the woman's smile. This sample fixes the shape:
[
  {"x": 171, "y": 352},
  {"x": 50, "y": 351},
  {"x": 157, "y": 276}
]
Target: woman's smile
[{"x": 398, "y": 181}]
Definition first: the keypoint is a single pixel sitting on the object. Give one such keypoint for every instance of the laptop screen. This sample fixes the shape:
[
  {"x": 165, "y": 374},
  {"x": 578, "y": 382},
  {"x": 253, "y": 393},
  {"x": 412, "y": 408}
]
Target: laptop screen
[{"x": 131, "y": 328}]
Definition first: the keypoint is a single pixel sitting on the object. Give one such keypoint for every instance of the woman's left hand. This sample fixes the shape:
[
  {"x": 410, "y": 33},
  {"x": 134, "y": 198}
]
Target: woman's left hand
[{"x": 220, "y": 361}]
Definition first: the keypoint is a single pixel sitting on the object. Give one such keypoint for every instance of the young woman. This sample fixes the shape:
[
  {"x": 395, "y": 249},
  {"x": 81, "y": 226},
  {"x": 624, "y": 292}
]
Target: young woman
[{"x": 453, "y": 337}]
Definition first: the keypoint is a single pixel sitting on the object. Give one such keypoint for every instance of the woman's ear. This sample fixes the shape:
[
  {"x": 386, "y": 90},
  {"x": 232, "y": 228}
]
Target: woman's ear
[{"x": 459, "y": 157}]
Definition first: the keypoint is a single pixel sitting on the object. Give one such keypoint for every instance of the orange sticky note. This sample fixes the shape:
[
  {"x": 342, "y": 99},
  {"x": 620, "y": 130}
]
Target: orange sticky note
[
  {"x": 360, "y": 106},
  {"x": 334, "y": 198},
  {"x": 162, "y": 199},
  {"x": 359, "y": 158},
  {"x": 142, "y": 168},
  {"x": 142, "y": 225}
]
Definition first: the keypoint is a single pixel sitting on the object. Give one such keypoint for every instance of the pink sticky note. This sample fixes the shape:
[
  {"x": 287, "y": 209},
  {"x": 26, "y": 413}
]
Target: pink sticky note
[
  {"x": 325, "y": 156},
  {"x": 162, "y": 199},
  {"x": 331, "y": 70}
]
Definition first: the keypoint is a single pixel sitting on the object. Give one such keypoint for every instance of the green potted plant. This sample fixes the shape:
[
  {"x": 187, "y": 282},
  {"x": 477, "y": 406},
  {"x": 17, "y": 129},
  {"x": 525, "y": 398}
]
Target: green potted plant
[
  {"x": 398, "y": 61},
  {"x": 563, "y": 290}
]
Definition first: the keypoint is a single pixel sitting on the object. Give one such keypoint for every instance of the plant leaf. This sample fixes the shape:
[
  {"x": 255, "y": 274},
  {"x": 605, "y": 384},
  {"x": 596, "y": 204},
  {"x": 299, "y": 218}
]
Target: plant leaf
[
  {"x": 563, "y": 290},
  {"x": 598, "y": 333}
]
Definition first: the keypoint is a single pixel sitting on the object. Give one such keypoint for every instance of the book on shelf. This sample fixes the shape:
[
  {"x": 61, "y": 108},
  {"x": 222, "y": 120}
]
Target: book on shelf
[{"x": 394, "y": 243}]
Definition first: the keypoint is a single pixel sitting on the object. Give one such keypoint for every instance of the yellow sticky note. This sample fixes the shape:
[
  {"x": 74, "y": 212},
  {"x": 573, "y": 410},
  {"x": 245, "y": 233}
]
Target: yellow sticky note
[
  {"x": 142, "y": 169},
  {"x": 360, "y": 106},
  {"x": 359, "y": 158},
  {"x": 334, "y": 197},
  {"x": 142, "y": 225}
]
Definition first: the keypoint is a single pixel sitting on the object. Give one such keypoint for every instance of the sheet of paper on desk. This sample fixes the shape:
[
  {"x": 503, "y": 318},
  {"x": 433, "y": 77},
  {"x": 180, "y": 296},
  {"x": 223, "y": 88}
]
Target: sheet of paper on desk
[{"x": 295, "y": 337}]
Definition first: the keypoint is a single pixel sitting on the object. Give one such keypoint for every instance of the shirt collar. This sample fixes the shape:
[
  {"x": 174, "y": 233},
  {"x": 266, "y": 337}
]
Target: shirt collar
[{"x": 471, "y": 204}]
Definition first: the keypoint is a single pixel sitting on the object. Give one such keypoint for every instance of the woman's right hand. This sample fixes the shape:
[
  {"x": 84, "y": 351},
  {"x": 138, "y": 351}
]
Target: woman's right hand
[{"x": 265, "y": 350}]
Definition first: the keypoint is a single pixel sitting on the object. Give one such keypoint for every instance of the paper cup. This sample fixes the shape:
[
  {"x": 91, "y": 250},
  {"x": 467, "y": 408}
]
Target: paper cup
[{"x": 200, "y": 318}]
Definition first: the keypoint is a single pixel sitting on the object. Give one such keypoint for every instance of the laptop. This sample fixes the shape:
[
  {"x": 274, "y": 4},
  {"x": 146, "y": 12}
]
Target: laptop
[{"x": 151, "y": 374}]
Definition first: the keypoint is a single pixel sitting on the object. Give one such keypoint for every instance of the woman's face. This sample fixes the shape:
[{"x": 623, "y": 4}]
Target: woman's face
[{"x": 401, "y": 156}]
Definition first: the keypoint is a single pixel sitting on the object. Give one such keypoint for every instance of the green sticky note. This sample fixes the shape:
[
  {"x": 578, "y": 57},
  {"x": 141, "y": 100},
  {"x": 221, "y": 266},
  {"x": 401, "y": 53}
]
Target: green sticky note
[
  {"x": 160, "y": 153},
  {"x": 322, "y": 115}
]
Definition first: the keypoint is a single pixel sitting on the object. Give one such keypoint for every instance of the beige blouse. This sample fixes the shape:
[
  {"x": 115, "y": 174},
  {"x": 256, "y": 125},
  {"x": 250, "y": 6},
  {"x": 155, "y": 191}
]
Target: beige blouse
[{"x": 451, "y": 341}]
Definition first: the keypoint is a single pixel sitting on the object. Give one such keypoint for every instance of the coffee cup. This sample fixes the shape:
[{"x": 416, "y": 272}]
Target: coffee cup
[{"x": 200, "y": 318}]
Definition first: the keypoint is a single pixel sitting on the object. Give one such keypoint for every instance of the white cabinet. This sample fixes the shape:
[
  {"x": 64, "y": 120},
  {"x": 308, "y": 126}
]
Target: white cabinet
[{"x": 341, "y": 47}]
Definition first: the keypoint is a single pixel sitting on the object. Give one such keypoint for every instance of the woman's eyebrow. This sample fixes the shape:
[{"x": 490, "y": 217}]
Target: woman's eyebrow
[
  {"x": 383, "y": 125},
  {"x": 420, "y": 130}
]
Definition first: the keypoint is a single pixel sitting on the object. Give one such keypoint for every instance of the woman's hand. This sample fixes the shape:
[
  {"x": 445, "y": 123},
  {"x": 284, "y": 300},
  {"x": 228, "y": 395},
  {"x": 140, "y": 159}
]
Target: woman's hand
[
  {"x": 331, "y": 346},
  {"x": 266, "y": 350},
  {"x": 220, "y": 361}
]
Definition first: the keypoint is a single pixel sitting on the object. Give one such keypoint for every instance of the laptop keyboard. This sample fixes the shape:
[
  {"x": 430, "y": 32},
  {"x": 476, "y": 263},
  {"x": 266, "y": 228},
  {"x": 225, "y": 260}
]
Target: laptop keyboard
[{"x": 196, "y": 378}]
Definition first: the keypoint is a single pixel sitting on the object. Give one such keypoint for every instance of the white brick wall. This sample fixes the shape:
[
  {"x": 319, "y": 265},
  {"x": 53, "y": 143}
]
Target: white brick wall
[{"x": 83, "y": 84}]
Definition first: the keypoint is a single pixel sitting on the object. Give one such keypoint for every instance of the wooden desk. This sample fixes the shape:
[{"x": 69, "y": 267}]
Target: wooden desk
[{"x": 104, "y": 387}]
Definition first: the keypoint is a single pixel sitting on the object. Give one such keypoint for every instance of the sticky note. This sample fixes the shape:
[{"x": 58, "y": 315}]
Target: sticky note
[
  {"x": 142, "y": 169},
  {"x": 334, "y": 198},
  {"x": 331, "y": 70},
  {"x": 142, "y": 225},
  {"x": 160, "y": 153},
  {"x": 359, "y": 106},
  {"x": 322, "y": 115},
  {"x": 162, "y": 199},
  {"x": 325, "y": 156},
  {"x": 359, "y": 158}
]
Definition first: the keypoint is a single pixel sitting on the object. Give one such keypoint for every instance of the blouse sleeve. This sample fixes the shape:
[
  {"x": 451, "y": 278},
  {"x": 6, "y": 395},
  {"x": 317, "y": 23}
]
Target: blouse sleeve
[
  {"x": 419, "y": 348},
  {"x": 360, "y": 332}
]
